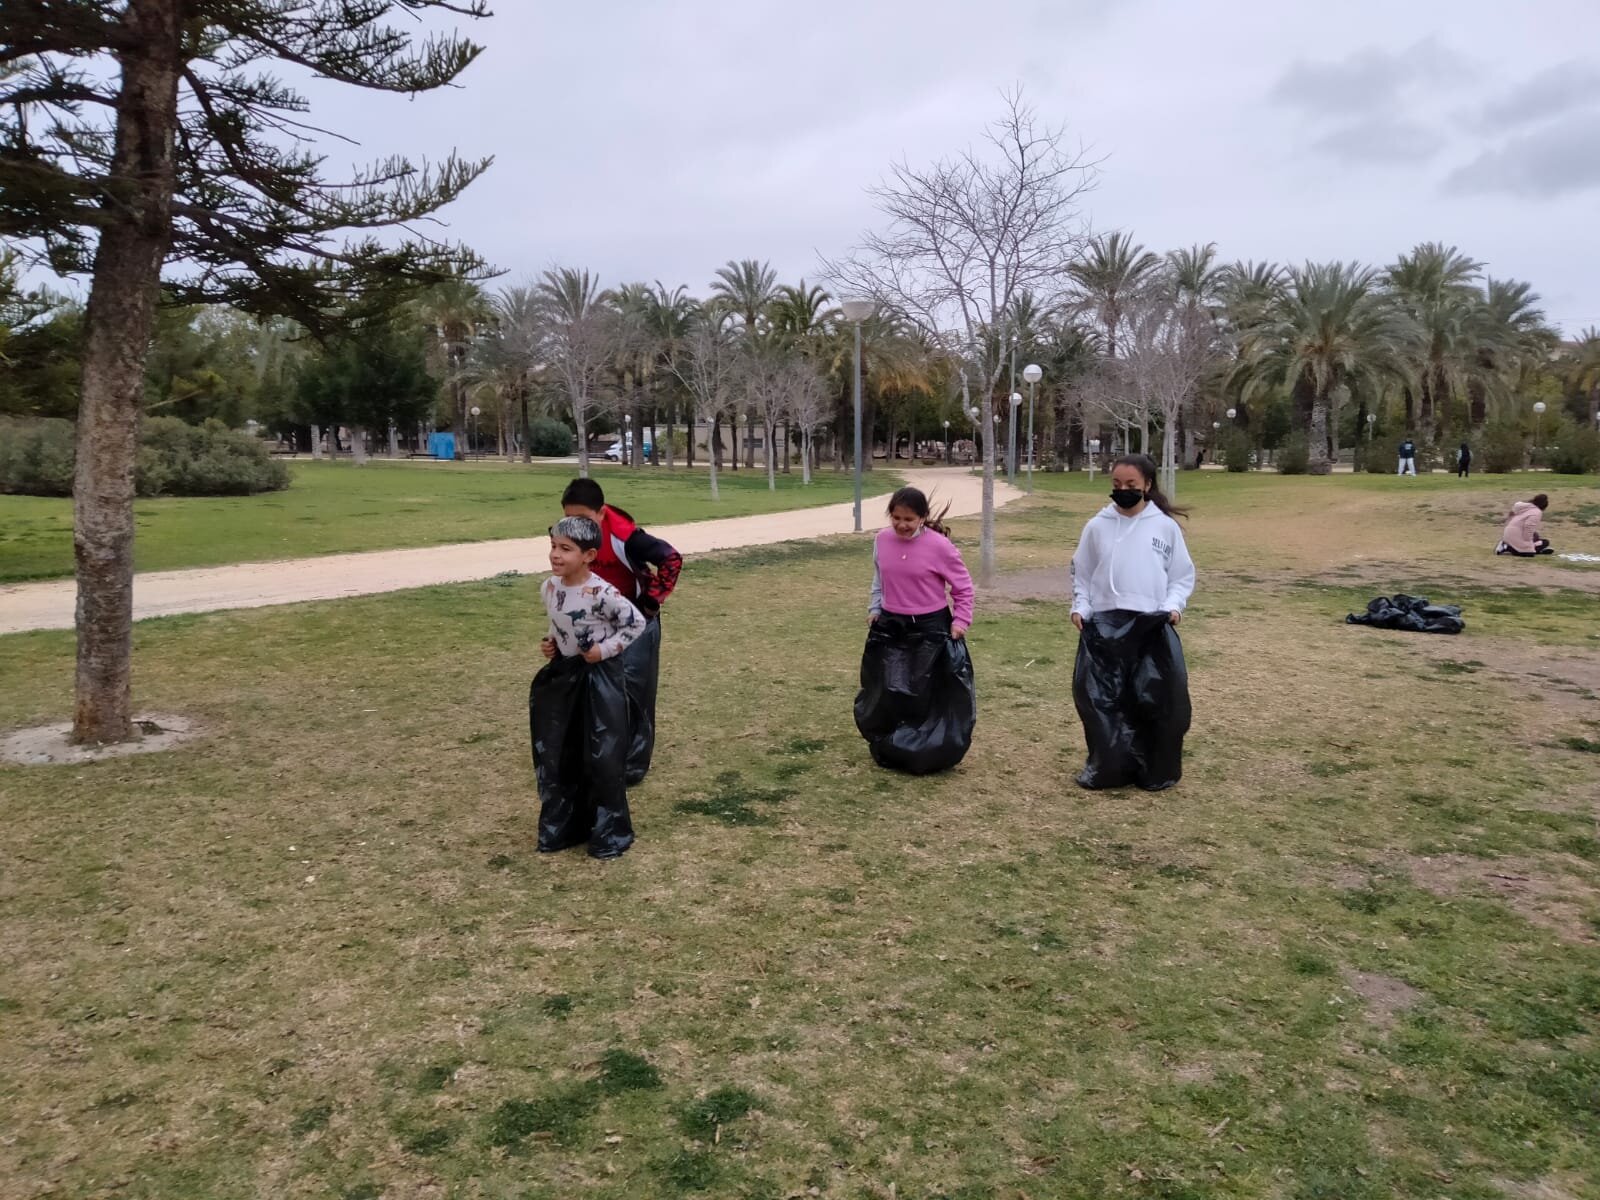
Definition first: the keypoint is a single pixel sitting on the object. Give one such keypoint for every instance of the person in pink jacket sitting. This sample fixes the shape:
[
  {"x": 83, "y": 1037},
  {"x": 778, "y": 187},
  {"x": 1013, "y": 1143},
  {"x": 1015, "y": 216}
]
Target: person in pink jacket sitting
[
  {"x": 917, "y": 706},
  {"x": 1521, "y": 534}
]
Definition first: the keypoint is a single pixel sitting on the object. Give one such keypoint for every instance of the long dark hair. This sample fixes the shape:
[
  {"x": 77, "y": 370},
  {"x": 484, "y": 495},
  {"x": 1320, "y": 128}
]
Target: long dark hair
[
  {"x": 1146, "y": 466},
  {"x": 912, "y": 498}
]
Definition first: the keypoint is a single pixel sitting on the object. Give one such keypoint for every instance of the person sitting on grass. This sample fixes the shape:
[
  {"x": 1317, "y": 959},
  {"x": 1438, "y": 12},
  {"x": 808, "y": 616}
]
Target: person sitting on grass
[
  {"x": 577, "y": 706},
  {"x": 1521, "y": 534},
  {"x": 645, "y": 570}
]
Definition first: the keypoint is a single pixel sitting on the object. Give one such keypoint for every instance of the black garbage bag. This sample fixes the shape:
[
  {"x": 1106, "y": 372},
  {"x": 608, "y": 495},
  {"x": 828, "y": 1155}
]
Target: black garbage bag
[
  {"x": 1131, "y": 687},
  {"x": 641, "y": 665},
  {"x": 918, "y": 703},
  {"x": 1411, "y": 613},
  {"x": 578, "y": 715}
]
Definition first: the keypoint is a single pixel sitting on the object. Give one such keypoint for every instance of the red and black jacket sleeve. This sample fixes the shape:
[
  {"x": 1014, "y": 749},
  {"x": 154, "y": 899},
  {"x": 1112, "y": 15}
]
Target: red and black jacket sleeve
[{"x": 656, "y": 565}]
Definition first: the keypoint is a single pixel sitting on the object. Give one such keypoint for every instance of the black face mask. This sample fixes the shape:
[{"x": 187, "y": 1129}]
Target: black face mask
[{"x": 1127, "y": 497}]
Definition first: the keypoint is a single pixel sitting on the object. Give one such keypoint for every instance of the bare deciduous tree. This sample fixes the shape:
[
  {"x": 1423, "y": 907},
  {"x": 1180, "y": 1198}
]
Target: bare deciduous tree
[
  {"x": 706, "y": 363},
  {"x": 809, "y": 402},
  {"x": 966, "y": 237},
  {"x": 579, "y": 342}
]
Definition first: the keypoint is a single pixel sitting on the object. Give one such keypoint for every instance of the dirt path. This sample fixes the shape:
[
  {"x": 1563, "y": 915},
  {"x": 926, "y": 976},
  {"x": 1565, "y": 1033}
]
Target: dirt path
[{"x": 329, "y": 577}]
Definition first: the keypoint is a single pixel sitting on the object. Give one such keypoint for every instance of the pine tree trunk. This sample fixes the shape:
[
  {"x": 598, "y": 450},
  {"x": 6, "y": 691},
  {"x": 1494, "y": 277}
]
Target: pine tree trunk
[{"x": 118, "y": 324}]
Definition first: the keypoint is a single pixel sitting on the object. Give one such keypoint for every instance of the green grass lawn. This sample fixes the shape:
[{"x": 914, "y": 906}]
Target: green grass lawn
[
  {"x": 1353, "y": 956},
  {"x": 336, "y": 507}
]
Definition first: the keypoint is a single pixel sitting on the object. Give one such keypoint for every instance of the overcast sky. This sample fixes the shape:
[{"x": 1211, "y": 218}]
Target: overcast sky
[{"x": 650, "y": 140}]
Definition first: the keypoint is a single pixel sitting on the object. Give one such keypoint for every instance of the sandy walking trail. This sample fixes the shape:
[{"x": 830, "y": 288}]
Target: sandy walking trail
[{"x": 50, "y": 605}]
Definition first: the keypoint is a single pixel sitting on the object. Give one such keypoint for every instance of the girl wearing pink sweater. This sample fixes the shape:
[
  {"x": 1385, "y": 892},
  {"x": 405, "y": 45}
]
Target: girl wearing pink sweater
[{"x": 917, "y": 706}]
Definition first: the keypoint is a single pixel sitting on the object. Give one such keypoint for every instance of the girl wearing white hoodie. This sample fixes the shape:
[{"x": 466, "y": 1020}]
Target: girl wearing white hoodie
[{"x": 1131, "y": 580}]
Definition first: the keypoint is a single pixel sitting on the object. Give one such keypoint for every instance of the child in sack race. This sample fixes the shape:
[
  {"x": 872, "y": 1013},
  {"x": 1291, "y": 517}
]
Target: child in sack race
[{"x": 577, "y": 705}]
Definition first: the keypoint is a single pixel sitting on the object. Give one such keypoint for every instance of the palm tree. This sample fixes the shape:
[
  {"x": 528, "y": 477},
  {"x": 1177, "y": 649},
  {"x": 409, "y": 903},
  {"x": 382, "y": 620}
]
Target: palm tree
[
  {"x": 668, "y": 318},
  {"x": 458, "y": 310},
  {"x": 1197, "y": 282},
  {"x": 1332, "y": 327},
  {"x": 1583, "y": 371},
  {"x": 802, "y": 318},
  {"x": 1512, "y": 339},
  {"x": 507, "y": 358},
  {"x": 1112, "y": 266},
  {"x": 1437, "y": 284},
  {"x": 746, "y": 288}
]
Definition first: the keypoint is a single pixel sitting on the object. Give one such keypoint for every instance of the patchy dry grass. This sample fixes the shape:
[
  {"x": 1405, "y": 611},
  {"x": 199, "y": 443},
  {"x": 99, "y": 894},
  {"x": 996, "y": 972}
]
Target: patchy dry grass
[{"x": 317, "y": 956}]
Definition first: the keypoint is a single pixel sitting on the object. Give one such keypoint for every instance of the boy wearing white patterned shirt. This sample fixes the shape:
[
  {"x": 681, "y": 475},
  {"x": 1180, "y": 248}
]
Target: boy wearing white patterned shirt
[{"x": 577, "y": 705}]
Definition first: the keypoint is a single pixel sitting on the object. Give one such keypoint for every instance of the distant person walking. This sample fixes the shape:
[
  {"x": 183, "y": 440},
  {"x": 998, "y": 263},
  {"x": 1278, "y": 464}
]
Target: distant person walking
[
  {"x": 1464, "y": 462},
  {"x": 1408, "y": 458},
  {"x": 1520, "y": 537}
]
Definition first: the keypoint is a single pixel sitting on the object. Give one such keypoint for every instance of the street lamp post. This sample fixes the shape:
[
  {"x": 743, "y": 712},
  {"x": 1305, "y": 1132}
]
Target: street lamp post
[
  {"x": 1094, "y": 453},
  {"x": 472, "y": 432},
  {"x": 627, "y": 439},
  {"x": 857, "y": 311},
  {"x": 947, "y": 443},
  {"x": 1011, "y": 457},
  {"x": 1032, "y": 373},
  {"x": 1538, "y": 426}
]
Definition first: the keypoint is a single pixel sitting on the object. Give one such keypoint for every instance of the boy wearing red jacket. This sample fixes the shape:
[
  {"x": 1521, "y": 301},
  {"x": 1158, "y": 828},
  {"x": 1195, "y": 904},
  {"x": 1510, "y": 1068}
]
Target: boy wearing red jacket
[{"x": 645, "y": 570}]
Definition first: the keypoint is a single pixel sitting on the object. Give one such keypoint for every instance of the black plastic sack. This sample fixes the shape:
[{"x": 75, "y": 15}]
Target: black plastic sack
[
  {"x": 918, "y": 703},
  {"x": 1131, "y": 687},
  {"x": 1412, "y": 614},
  {"x": 641, "y": 665},
  {"x": 578, "y": 715}
]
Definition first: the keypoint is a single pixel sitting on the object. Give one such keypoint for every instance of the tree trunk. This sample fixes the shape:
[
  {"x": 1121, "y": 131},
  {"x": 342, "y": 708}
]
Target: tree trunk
[
  {"x": 118, "y": 324},
  {"x": 580, "y": 418},
  {"x": 805, "y": 457},
  {"x": 394, "y": 441},
  {"x": 1320, "y": 463},
  {"x": 788, "y": 435},
  {"x": 527, "y": 428},
  {"x": 358, "y": 445},
  {"x": 749, "y": 437},
  {"x": 688, "y": 441},
  {"x": 714, "y": 451},
  {"x": 316, "y": 442},
  {"x": 772, "y": 467}
]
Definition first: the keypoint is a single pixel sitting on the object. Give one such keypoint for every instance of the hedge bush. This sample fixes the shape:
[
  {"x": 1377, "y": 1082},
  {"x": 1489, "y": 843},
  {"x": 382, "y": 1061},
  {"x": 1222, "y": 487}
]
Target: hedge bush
[
  {"x": 36, "y": 457},
  {"x": 1236, "y": 451},
  {"x": 1575, "y": 450},
  {"x": 1500, "y": 449},
  {"x": 174, "y": 459},
  {"x": 549, "y": 438},
  {"x": 1294, "y": 455}
]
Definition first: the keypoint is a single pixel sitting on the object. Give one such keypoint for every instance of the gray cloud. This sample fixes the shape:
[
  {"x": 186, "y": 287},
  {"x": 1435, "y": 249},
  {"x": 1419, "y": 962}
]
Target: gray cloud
[
  {"x": 1380, "y": 141},
  {"x": 1557, "y": 160},
  {"x": 1367, "y": 80},
  {"x": 1558, "y": 89}
]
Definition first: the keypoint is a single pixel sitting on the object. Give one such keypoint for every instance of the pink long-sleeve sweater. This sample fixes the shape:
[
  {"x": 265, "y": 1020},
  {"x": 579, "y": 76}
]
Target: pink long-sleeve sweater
[
  {"x": 1522, "y": 526},
  {"x": 912, "y": 574}
]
